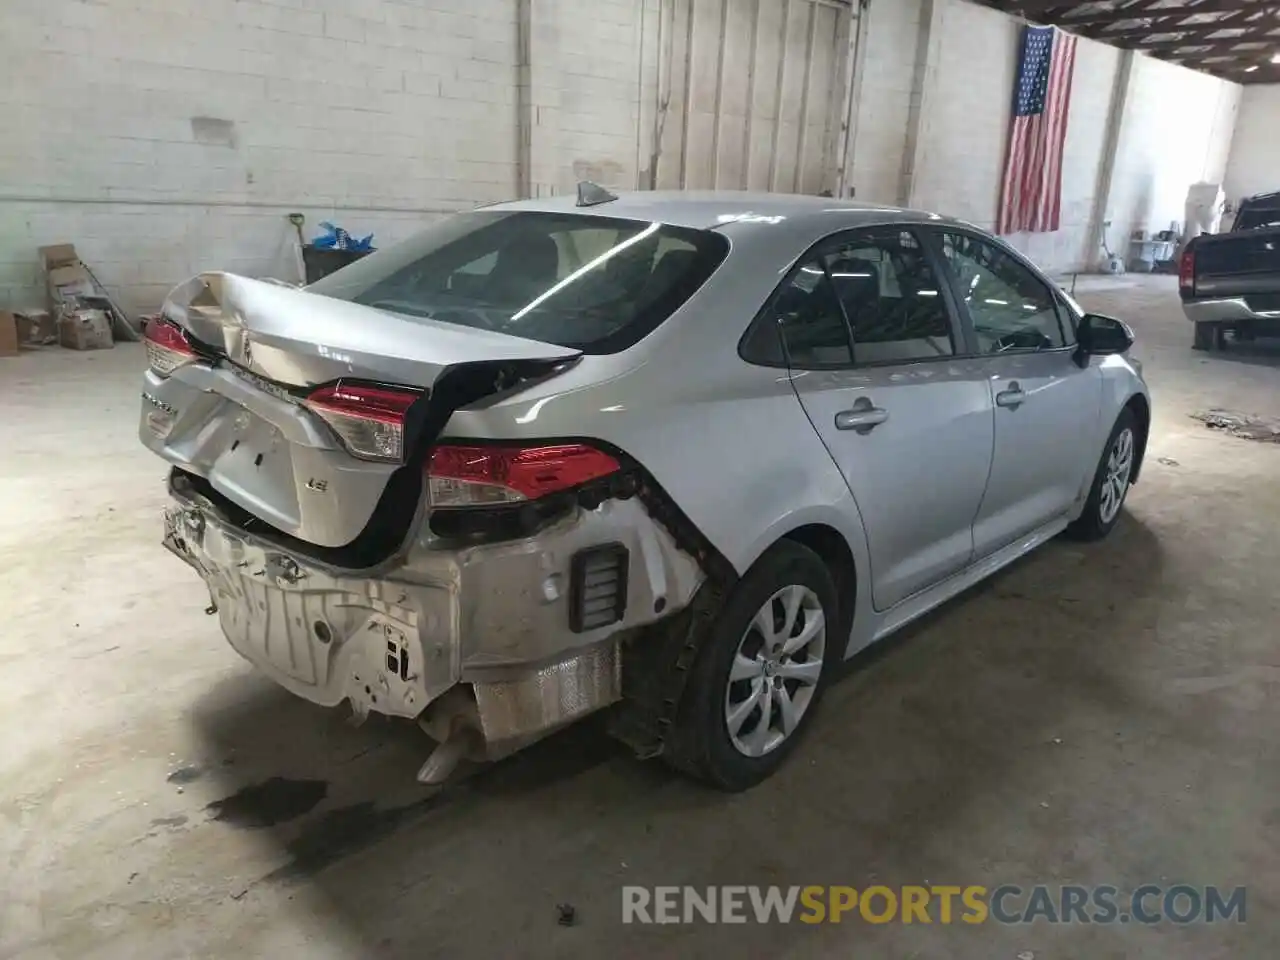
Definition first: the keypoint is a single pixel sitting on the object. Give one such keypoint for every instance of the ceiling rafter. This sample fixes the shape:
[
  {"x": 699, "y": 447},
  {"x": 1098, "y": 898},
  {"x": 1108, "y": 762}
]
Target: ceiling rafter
[{"x": 1190, "y": 32}]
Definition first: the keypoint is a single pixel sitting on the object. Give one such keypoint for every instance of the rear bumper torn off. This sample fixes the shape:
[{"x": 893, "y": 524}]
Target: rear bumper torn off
[{"x": 489, "y": 623}]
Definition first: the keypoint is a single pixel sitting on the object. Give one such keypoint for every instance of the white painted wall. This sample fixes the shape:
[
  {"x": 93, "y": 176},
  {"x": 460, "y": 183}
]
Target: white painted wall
[
  {"x": 887, "y": 94},
  {"x": 1076, "y": 244},
  {"x": 933, "y": 122},
  {"x": 1176, "y": 131},
  {"x": 164, "y": 137},
  {"x": 1254, "y": 164},
  {"x": 753, "y": 92}
]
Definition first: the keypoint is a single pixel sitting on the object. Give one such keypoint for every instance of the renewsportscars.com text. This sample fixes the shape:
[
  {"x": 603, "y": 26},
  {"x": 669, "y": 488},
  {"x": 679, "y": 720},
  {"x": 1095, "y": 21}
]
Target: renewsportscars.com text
[{"x": 1006, "y": 904}]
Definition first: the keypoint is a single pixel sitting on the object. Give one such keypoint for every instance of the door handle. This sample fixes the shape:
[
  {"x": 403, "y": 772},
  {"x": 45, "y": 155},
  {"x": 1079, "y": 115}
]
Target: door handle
[
  {"x": 862, "y": 418},
  {"x": 1011, "y": 398}
]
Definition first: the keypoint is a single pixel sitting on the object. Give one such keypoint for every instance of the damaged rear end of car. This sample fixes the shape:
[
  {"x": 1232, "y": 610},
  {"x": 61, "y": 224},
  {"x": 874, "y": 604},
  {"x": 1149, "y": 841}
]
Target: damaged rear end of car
[{"x": 355, "y": 551}]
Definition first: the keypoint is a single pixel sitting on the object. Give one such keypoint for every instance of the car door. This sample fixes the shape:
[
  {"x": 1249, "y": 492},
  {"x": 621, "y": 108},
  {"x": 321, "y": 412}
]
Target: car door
[
  {"x": 1046, "y": 405},
  {"x": 872, "y": 344}
]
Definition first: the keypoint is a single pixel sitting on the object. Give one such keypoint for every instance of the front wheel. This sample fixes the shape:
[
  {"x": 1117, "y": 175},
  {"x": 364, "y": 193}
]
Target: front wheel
[
  {"x": 1110, "y": 482},
  {"x": 760, "y": 672}
]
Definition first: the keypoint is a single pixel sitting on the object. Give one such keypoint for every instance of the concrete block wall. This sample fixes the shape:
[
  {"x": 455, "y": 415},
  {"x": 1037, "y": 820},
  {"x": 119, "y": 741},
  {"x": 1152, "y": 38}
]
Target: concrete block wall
[
  {"x": 164, "y": 137},
  {"x": 933, "y": 124},
  {"x": 888, "y": 91},
  {"x": 1176, "y": 131},
  {"x": 593, "y": 91},
  {"x": 1093, "y": 95},
  {"x": 1254, "y": 163}
]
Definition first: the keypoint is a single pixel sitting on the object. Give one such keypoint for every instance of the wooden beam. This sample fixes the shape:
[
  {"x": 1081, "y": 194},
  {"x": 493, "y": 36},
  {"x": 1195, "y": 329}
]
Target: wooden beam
[
  {"x": 1232, "y": 21},
  {"x": 1145, "y": 11},
  {"x": 1030, "y": 7},
  {"x": 1266, "y": 73},
  {"x": 1230, "y": 45},
  {"x": 1237, "y": 70},
  {"x": 1246, "y": 57}
]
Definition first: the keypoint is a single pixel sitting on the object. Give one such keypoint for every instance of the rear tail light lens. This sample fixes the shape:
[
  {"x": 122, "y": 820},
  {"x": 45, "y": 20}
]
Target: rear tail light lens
[
  {"x": 369, "y": 420},
  {"x": 167, "y": 348},
  {"x": 473, "y": 476},
  {"x": 1187, "y": 269}
]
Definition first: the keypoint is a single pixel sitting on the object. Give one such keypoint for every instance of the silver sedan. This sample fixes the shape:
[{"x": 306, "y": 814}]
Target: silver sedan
[{"x": 673, "y": 455}]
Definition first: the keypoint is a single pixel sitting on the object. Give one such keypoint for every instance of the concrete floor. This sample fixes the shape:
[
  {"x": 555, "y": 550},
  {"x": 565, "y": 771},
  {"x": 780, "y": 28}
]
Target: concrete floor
[{"x": 1152, "y": 658}]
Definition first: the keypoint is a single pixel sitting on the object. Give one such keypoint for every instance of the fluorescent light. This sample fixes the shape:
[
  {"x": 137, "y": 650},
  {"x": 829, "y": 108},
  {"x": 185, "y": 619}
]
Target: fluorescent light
[
  {"x": 1251, "y": 69},
  {"x": 1275, "y": 58}
]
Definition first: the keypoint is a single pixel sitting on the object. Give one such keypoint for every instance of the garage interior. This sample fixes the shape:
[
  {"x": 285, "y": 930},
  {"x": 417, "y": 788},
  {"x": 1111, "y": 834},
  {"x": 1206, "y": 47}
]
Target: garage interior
[{"x": 1098, "y": 716}]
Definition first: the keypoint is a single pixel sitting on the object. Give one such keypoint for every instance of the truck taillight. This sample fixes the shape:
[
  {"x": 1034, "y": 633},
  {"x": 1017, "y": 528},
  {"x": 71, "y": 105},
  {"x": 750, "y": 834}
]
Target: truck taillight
[
  {"x": 167, "y": 348},
  {"x": 369, "y": 420},
  {"x": 1187, "y": 269},
  {"x": 474, "y": 476}
]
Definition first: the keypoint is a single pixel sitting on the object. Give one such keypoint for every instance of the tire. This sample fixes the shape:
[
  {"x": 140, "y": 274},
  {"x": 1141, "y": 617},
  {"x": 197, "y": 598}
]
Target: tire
[
  {"x": 1206, "y": 336},
  {"x": 701, "y": 742},
  {"x": 1102, "y": 510}
]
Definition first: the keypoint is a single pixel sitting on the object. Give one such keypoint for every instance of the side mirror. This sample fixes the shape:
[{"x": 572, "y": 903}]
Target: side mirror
[{"x": 1099, "y": 336}]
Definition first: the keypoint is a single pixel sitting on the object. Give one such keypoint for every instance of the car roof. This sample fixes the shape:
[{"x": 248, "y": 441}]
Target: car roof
[{"x": 708, "y": 209}]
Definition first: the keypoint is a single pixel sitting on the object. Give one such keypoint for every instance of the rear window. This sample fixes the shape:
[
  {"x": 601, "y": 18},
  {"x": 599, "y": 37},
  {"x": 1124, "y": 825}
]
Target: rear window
[
  {"x": 596, "y": 284},
  {"x": 1257, "y": 217}
]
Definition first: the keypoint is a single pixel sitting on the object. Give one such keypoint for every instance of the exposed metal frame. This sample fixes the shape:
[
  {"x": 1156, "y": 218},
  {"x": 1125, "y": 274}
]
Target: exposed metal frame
[{"x": 1230, "y": 39}]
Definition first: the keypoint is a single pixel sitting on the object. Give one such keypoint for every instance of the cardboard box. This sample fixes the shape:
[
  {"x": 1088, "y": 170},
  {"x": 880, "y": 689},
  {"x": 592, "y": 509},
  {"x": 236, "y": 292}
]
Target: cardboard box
[
  {"x": 65, "y": 276},
  {"x": 68, "y": 282},
  {"x": 36, "y": 328},
  {"x": 58, "y": 255},
  {"x": 85, "y": 330},
  {"x": 8, "y": 334}
]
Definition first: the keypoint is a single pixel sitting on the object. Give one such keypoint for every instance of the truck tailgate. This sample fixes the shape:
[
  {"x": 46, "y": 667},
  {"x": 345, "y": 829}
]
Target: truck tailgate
[{"x": 1244, "y": 264}]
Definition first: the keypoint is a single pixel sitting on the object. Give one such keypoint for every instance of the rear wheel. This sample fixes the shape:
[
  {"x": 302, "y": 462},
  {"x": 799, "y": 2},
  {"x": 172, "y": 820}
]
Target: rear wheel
[
  {"x": 1110, "y": 481},
  {"x": 760, "y": 672}
]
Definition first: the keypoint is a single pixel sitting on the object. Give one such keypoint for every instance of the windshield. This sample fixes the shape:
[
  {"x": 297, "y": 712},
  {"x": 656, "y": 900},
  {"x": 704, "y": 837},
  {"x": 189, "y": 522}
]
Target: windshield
[{"x": 596, "y": 284}]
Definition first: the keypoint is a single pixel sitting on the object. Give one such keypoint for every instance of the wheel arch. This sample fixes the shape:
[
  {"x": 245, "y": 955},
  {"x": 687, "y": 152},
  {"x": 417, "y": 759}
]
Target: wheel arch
[
  {"x": 1140, "y": 407},
  {"x": 833, "y": 549}
]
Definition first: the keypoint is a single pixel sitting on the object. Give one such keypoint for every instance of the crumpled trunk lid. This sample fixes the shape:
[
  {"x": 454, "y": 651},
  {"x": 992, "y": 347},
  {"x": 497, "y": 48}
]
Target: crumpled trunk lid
[
  {"x": 291, "y": 336},
  {"x": 235, "y": 425}
]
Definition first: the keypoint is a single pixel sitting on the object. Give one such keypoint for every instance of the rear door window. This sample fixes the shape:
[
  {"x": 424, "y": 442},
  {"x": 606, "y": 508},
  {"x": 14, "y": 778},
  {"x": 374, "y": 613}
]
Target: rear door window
[
  {"x": 892, "y": 298},
  {"x": 597, "y": 284}
]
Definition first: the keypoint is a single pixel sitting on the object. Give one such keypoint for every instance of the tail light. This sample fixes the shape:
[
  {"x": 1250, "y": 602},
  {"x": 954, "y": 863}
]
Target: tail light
[
  {"x": 167, "y": 348},
  {"x": 369, "y": 420},
  {"x": 1187, "y": 269},
  {"x": 474, "y": 476}
]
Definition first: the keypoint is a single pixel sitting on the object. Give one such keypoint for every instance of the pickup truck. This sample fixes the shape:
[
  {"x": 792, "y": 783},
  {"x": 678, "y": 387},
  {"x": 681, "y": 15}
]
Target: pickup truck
[{"x": 1230, "y": 282}]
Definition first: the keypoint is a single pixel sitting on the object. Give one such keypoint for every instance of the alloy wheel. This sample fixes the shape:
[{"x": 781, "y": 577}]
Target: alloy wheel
[
  {"x": 1115, "y": 481},
  {"x": 775, "y": 671}
]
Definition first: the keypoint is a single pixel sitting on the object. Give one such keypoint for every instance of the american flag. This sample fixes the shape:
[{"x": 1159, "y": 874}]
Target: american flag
[{"x": 1031, "y": 197}]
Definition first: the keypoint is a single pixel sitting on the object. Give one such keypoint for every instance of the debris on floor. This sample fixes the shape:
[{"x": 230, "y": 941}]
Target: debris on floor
[
  {"x": 183, "y": 775},
  {"x": 1168, "y": 461},
  {"x": 1266, "y": 429},
  {"x": 37, "y": 328},
  {"x": 566, "y": 915},
  {"x": 85, "y": 329}
]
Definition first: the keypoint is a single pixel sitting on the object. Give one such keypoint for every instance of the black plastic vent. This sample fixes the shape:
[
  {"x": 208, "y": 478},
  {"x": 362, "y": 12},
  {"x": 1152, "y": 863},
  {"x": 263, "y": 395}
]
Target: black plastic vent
[{"x": 597, "y": 587}]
